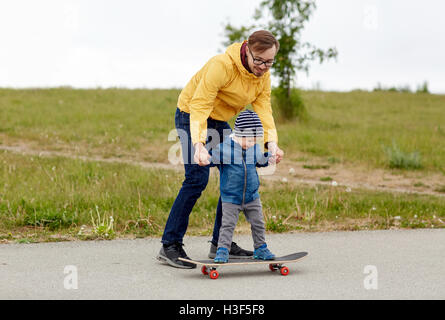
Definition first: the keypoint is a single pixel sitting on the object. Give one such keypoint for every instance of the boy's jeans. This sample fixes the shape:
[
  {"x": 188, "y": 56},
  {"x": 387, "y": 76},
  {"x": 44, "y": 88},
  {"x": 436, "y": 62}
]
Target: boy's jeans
[
  {"x": 254, "y": 215},
  {"x": 196, "y": 179}
]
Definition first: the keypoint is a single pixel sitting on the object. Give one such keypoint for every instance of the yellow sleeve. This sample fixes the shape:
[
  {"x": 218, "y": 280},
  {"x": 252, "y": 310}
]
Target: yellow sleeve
[
  {"x": 262, "y": 106},
  {"x": 214, "y": 77}
]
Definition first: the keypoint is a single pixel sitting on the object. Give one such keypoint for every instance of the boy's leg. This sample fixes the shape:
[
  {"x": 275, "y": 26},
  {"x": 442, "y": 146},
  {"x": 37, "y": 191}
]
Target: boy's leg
[
  {"x": 254, "y": 215},
  {"x": 229, "y": 220},
  {"x": 224, "y": 130},
  {"x": 236, "y": 252}
]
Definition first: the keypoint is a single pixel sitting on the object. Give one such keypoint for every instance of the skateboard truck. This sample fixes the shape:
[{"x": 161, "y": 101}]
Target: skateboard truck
[
  {"x": 283, "y": 269},
  {"x": 214, "y": 274}
]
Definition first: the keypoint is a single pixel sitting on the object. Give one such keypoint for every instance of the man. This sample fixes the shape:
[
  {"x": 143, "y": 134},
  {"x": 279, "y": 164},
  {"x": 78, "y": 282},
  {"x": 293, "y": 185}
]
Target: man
[{"x": 221, "y": 89}]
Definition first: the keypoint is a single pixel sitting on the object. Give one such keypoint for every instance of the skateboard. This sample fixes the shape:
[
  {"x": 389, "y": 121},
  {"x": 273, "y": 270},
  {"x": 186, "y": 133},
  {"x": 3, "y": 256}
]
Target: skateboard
[{"x": 209, "y": 266}]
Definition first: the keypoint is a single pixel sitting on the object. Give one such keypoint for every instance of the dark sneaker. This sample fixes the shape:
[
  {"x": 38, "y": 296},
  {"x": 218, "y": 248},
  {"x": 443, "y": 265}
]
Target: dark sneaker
[
  {"x": 236, "y": 252},
  {"x": 171, "y": 253}
]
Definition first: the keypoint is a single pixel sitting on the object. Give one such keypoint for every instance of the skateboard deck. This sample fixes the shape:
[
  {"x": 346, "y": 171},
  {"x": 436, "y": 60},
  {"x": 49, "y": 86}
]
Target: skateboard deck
[{"x": 209, "y": 266}]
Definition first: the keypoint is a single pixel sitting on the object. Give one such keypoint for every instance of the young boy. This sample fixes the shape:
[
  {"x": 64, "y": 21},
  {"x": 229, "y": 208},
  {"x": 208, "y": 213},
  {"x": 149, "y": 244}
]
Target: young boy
[{"x": 238, "y": 158}]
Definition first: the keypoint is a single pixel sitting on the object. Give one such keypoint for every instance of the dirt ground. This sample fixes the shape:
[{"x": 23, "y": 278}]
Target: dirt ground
[{"x": 419, "y": 182}]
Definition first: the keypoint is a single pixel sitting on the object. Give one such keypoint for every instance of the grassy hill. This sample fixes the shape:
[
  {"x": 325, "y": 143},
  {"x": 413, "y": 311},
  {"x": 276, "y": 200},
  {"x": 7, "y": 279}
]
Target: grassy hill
[
  {"x": 60, "y": 198},
  {"x": 355, "y": 127}
]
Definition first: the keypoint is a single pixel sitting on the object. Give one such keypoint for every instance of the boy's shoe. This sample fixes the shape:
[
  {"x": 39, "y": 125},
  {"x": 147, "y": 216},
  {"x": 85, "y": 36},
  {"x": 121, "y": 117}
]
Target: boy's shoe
[
  {"x": 171, "y": 253},
  {"x": 236, "y": 252},
  {"x": 262, "y": 253},
  {"x": 222, "y": 255}
]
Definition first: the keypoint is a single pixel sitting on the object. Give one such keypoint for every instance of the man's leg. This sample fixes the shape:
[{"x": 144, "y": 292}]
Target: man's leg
[
  {"x": 196, "y": 179},
  {"x": 223, "y": 130},
  {"x": 218, "y": 221}
]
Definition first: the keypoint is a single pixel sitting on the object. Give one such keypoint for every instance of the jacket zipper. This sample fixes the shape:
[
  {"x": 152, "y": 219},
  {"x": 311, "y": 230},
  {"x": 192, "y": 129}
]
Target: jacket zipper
[{"x": 245, "y": 177}]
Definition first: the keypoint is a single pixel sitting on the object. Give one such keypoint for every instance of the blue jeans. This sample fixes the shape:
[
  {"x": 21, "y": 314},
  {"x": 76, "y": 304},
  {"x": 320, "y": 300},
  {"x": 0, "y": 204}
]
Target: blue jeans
[{"x": 196, "y": 179}]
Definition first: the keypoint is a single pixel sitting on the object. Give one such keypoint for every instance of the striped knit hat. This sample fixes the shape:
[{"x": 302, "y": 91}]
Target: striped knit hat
[{"x": 248, "y": 124}]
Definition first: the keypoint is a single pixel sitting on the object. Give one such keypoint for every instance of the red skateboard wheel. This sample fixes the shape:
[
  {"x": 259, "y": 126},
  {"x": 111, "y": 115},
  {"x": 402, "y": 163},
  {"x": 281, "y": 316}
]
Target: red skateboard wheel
[
  {"x": 214, "y": 274},
  {"x": 284, "y": 271},
  {"x": 204, "y": 270}
]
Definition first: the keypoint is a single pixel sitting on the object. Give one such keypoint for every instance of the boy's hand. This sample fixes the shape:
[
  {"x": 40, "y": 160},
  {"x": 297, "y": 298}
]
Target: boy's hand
[
  {"x": 276, "y": 153},
  {"x": 201, "y": 156}
]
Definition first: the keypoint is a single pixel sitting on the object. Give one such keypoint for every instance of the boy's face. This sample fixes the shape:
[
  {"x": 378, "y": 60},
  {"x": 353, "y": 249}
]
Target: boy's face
[{"x": 246, "y": 142}]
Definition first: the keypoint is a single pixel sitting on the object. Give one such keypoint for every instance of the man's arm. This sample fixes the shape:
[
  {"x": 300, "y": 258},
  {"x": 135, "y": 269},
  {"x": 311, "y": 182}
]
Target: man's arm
[
  {"x": 262, "y": 106},
  {"x": 201, "y": 155},
  {"x": 201, "y": 106},
  {"x": 275, "y": 152}
]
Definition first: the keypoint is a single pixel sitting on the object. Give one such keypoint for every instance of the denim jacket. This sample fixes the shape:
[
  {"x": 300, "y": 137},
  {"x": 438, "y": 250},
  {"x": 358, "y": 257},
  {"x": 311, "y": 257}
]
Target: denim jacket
[{"x": 239, "y": 180}]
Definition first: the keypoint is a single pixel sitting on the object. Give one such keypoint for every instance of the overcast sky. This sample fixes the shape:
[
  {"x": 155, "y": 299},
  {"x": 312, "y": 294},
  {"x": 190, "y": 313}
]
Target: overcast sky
[{"x": 161, "y": 44}]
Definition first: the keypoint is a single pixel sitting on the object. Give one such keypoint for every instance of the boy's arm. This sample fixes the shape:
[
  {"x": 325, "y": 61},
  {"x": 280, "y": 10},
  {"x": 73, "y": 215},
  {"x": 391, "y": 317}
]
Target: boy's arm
[
  {"x": 262, "y": 106},
  {"x": 262, "y": 159},
  {"x": 216, "y": 156}
]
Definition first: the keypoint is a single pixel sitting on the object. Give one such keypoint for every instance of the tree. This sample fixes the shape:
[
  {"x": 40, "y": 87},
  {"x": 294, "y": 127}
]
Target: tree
[{"x": 285, "y": 19}]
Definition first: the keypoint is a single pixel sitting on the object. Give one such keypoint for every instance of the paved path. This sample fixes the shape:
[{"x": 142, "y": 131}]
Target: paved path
[{"x": 405, "y": 264}]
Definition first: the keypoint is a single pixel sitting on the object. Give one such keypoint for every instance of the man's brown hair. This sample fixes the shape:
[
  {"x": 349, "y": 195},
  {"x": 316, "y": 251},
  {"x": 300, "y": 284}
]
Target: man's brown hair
[{"x": 262, "y": 40}]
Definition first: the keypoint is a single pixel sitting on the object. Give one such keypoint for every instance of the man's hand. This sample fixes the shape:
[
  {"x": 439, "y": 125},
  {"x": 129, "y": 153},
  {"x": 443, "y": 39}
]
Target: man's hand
[
  {"x": 276, "y": 153},
  {"x": 201, "y": 156}
]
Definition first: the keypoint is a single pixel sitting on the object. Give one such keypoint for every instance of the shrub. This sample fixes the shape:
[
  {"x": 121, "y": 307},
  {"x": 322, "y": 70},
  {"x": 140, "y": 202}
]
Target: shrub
[
  {"x": 289, "y": 107},
  {"x": 49, "y": 217},
  {"x": 402, "y": 160},
  {"x": 423, "y": 88}
]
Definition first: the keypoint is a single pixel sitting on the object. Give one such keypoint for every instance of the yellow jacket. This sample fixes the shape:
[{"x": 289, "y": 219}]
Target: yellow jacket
[{"x": 223, "y": 88}]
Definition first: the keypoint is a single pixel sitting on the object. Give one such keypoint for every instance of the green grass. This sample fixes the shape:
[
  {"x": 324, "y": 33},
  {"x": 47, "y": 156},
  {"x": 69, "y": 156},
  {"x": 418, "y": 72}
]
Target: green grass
[
  {"x": 56, "y": 194},
  {"x": 313, "y": 207},
  {"x": 112, "y": 122},
  {"x": 54, "y": 199},
  {"x": 49, "y": 196},
  {"x": 346, "y": 127},
  {"x": 352, "y": 127}
]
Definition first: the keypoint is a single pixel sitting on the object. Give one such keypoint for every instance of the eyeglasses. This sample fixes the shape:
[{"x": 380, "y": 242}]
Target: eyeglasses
[{"x": 259, "y": 62}]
